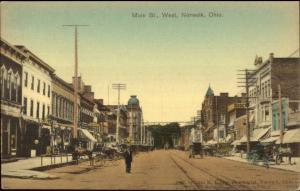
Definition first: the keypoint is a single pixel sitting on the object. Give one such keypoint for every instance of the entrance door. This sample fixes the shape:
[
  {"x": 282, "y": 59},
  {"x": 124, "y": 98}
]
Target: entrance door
[
  {"x": 4, "y": 144},
  {"x": 13, "y": 138}
]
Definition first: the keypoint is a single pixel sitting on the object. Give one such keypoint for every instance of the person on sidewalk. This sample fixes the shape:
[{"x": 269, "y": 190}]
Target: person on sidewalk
[{"x": 128, "y": 159}]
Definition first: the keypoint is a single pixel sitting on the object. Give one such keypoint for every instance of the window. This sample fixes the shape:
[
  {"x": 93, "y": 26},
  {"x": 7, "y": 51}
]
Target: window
[
  {"x": 25, "y": 106},
  {"x": 49, "y": 91},
  {"x": 25, "y": 79},
  {"x": 9, "y": 85},
  {"x": 269, "y": 88},
  {"x": 32, "y": 82},
  {"x": 43, "y": 112},
  {"x": 38, "y": 110},
  {"x": 44, "y": 88},
  {"x": 8, "y": 80},
  {"x": 48, "y": 110},
  {"x": 263, "y": 90},
  {"x": 38, "y": 86},
  {"x": 3, "y": 80},
  {"x": 31, "y": 108}
]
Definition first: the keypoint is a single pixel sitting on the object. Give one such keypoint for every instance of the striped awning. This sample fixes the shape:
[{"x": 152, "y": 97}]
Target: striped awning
[{"x": 291, "y": 136}]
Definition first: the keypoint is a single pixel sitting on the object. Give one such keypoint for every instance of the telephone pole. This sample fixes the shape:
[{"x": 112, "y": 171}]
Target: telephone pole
[
  {"x": 118, "y": 87},
  {"x": 280, "y": 114},
  {"x": 247, "y": 81},
  {"x": 75, "y": 113}
]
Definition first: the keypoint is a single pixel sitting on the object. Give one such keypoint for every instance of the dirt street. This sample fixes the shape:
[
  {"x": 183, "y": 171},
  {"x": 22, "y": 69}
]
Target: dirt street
[{"x": 165, "y": 170}]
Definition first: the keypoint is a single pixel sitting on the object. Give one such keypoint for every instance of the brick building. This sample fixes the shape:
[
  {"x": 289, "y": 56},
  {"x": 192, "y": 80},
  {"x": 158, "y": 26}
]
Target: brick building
[{"x": 214, "y": 113}]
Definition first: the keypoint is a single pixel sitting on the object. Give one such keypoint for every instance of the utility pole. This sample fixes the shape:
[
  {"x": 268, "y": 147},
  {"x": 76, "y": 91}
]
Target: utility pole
[
  {"x": 280, "y": 114},
  {"x": 75, "y": 113},
  {"x": 247, "y": 81},
  {"x": 108, "y": 95},
  {"x": 118, "y": 87},
  {"x": 218, "y": 133}
]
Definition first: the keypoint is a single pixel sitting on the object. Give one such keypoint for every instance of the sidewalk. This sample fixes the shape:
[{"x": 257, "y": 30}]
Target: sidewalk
[
  {"x": 284, "y": 166},
  {"x": 23, "y": 168}
]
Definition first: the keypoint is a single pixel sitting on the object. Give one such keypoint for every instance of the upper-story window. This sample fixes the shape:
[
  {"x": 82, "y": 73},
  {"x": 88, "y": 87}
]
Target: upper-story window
[
  {"x": 44, "y": 88},
  {"x": 25, "y": 79},
  {"x": 38, "y": 85},
  {"x": 32, "y": 82},
  {"x": 49, "y": 90},
  {"x": 25, "y": 106},
  {"x": 31, "y": 108},
  {"x": 38, "y": 110},
  {"x": 269, "y": 87},
  {"x": 43, "y": 111},
  {"x": 263, "y": 89},
  {"x": 48, "y": 110},
  {"x": 3, "y": 80}
]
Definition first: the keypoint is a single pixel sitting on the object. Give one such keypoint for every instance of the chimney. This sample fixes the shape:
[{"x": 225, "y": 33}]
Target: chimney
[
  {"x": 244, "y": 94},
  {"x": 224, "y": 94},
  {"x": 271, "y": 57}
]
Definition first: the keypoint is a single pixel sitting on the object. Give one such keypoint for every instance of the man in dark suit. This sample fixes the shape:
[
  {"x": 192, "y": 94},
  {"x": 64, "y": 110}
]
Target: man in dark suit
[{"x": 128, "y": 159}]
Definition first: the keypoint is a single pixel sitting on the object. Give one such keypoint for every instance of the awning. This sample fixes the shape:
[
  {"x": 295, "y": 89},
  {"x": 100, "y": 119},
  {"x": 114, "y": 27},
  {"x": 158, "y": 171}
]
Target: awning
[
  {"x": 236, "y": 142},
  {"x": 291, "y": 136},
  {"x": 251, "y": 120},
  {"x": 293, "y": 123},
  {"x": 231, "y": 124},
  {"x": 257, "y": 134},
  {"x": 88, "y": 135},
  {"x": 211, "y": 142},
  {"x": 228, "y": 138},
  {"x": 270, "y": 139},
  {"x": 46, "y": 127}
]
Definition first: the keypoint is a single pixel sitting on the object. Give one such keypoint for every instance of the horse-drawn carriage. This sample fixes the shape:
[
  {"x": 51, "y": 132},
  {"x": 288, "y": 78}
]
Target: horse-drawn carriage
[
  {"x": 261, "y": 152},
  {"x": 283, "y": 152},
  {"x": 196, "y": 149}
]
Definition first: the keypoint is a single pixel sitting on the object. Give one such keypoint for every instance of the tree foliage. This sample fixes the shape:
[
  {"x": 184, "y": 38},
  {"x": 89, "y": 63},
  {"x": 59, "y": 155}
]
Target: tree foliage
[{"x": 165, "y": 134}]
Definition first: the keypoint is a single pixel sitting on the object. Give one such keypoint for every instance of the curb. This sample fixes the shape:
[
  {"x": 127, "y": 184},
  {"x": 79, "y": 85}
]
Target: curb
[
  {"x": 270, "y": 166},
  {"x": 30, "y": 177}
]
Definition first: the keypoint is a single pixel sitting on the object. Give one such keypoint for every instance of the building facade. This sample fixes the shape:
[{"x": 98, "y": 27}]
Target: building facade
[
  {"x": 134, "y": 116},
  {"x": 214, "y": 115},
  {"x": 36, "y": 102},
  {"x": 62, "y": 114},
  {"x": 11, "y": 60}
]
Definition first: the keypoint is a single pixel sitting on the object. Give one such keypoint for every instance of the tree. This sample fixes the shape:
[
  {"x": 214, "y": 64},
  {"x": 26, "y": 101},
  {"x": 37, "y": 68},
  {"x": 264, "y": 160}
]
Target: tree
[{"x": 164, "y": 134}]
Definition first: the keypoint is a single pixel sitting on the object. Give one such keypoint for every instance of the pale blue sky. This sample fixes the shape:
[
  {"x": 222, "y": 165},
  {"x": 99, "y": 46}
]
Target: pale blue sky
[{"x": 167, "y": 63}]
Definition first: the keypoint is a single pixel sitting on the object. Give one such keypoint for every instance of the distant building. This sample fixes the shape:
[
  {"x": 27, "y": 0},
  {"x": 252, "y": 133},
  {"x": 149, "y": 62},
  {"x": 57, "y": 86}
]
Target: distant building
[
  {"x": 214, "y": 114},
  {"x": 134, "y": 116},
  {"x": 112, "y": 122},
  {"x": 62, "y": 113}
]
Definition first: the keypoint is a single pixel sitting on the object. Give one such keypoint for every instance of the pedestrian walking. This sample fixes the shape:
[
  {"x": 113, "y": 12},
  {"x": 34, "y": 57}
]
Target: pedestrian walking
[{"x": 128, "y": 159}]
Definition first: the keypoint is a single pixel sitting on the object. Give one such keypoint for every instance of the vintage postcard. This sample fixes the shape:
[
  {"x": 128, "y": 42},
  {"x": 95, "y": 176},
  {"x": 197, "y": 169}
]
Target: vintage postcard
[{"x": 150, "y": 95}]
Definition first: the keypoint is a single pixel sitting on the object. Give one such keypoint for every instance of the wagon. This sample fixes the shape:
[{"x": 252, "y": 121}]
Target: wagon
[
  {"x": 261, "y": 152},
  {"x": 196, "y": 149}
]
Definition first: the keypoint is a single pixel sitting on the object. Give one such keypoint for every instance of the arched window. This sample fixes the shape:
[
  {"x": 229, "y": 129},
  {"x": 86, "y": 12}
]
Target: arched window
[
  {"x": 17, "y": 86},
  {"x": 3, "y": 80},
  {"x": 9, "y": 83}
]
